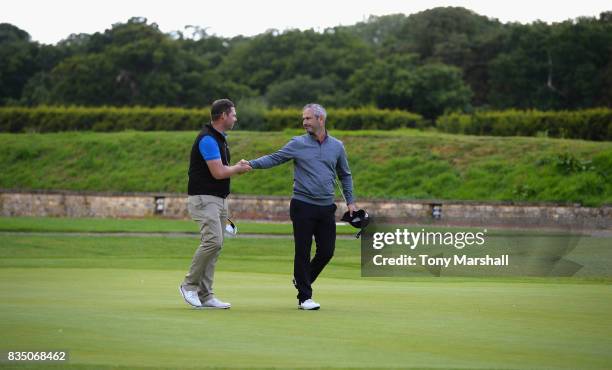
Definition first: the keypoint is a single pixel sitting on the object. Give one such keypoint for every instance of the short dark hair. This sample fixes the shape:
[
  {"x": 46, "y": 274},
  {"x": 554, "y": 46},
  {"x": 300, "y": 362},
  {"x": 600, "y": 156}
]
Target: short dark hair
[{"x": 219, "y": 107}]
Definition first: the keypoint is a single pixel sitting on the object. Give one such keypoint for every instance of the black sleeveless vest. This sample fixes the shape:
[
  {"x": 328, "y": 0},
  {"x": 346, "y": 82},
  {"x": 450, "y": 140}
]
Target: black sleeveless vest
[{"x": 201, "y": 181}]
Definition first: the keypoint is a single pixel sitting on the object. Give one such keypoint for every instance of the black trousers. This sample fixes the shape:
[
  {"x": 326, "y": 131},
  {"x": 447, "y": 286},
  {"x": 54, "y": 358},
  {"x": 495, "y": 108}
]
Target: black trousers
[{"x": 311, "y": 220}]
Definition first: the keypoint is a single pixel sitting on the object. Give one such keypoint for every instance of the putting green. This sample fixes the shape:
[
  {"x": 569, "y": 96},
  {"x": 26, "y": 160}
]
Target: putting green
[
  {"x": 136, "y": 318},
  {"x": 80, "y": 294}
]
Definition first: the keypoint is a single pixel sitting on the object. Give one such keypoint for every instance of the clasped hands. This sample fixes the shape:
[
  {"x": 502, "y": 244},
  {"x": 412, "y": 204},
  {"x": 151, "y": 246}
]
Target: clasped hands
[{"x": 243, "y": 166}]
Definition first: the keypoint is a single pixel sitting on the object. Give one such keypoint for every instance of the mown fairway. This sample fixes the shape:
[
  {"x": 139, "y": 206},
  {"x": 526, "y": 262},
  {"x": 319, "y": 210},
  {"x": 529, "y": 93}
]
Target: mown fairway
[
  {"x": 149, "y": 225},
  {"x": 113, "y": 302}
]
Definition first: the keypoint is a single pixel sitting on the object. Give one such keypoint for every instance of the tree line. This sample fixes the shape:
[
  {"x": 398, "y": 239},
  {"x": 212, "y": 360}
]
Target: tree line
[{"x": 435, "y": 61}]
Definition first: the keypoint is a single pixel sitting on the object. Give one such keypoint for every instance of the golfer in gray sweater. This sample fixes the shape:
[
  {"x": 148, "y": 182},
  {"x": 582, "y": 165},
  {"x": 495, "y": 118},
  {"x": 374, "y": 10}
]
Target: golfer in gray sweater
[{"x": 317, "y": 159}]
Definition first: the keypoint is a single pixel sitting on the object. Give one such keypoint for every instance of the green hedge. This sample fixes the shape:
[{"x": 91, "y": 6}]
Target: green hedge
[
  {"x": 53, "y": 119},
  {"x": 347, "y": 119},
  {"x": 589, "y": 124}
]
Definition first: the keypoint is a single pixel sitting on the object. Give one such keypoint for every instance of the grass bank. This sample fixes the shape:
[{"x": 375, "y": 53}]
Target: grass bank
[{"x": 406, "y": 164}]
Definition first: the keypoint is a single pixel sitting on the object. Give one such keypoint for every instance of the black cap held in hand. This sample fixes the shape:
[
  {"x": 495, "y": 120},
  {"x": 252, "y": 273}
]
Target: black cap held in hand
[{"x": 359, "y": 219}]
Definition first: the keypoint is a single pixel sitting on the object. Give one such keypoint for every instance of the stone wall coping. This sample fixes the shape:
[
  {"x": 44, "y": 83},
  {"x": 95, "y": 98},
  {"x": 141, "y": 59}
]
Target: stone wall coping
[{"x": 287, "y": 198}]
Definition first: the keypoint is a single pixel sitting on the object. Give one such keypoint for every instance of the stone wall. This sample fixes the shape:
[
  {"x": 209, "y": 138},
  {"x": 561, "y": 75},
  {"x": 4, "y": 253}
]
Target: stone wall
[
  {"x": 135, "y": 205},
  {"x": 76, "y": 205}
]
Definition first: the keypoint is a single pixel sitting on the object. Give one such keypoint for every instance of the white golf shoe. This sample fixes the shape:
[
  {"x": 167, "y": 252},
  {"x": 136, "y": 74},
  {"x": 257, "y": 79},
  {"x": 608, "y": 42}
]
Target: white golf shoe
[
  {"x": 215, "y": 303},
  {"x": 191, "y": 297},
  {"x": 309, "y": 304}
]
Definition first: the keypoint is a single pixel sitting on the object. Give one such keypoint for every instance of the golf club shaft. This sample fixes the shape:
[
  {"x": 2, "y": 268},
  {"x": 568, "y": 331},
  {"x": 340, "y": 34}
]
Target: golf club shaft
[{"x": 341, "y": 192}]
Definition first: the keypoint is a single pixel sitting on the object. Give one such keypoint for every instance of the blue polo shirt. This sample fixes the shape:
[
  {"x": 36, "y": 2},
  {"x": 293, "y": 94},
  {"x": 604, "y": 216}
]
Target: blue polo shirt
[{"x": 209, "y": 148}]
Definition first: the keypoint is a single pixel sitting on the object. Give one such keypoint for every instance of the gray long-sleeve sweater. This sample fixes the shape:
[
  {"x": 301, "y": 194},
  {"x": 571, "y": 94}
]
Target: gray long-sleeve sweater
[{"x": 315, "y": 168}]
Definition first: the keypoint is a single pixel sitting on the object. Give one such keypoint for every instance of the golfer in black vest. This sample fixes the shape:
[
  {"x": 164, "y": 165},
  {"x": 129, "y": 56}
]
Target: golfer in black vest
[
  {"x": 317, "y": 158},
  {"x": 209, "y": 186}
]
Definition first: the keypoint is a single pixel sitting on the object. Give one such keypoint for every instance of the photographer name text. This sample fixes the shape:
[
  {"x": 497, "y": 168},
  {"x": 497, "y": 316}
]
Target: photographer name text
[{"x": 427, "y": 260}]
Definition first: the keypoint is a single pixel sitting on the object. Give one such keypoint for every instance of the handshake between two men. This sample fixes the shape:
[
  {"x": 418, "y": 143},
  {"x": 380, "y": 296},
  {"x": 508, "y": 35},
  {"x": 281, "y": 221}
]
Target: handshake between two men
[
  {"x": 317, "y": 158},
  {"x": 243, "y": 166}
]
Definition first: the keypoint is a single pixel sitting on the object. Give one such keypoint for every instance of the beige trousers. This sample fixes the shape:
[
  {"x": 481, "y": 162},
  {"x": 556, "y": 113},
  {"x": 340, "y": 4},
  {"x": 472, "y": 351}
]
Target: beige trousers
[{"x": 210, "y": 213}]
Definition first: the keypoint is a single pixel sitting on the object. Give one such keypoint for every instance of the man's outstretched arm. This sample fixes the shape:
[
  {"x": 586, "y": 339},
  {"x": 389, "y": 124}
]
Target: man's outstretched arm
[
  {"x": 274, "y": 159},
  {"x": 220, "y": 171},
  {"x": 209, "y": 149}
]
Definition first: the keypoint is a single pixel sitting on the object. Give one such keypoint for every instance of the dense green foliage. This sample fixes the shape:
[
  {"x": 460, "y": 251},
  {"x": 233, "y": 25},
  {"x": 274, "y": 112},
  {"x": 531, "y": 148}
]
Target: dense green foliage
[
  {"x": 399, "y": 82},
  {"x": 54, "y": 119},
  {"x": 407, "y": 163},
  {"x": 435, "y": 61},
  {"x": 590, "y": 124}
]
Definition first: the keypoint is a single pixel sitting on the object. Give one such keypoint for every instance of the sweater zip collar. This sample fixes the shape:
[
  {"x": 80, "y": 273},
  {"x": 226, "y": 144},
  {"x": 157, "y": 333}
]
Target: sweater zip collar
[{"x": 317, "y": 140}]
